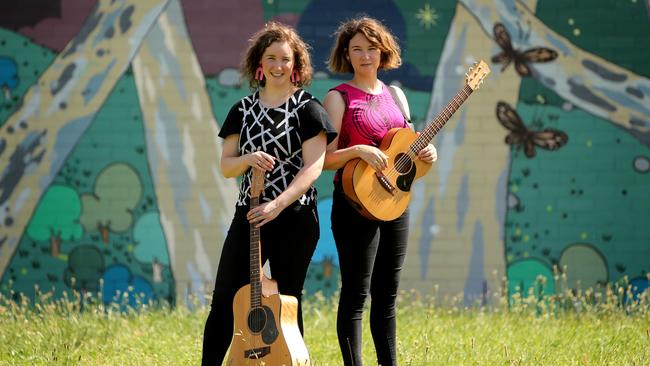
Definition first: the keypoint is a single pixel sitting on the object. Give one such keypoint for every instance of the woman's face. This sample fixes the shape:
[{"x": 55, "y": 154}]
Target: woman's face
[
  {"x": 363, "y": 55},
  {"x": 277, "y": 63}
]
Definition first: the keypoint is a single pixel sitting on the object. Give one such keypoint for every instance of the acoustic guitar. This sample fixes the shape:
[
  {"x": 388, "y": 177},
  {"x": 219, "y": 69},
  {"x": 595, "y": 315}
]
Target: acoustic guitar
[
  {"x": 265, "y": 323},
  {"x": 385, "y": 195}
]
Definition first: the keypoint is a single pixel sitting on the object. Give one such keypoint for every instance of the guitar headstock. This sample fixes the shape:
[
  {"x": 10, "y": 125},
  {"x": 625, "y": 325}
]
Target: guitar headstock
[
  {"x": 476, "y": 74},
  {"x": 257, "y": 183}
]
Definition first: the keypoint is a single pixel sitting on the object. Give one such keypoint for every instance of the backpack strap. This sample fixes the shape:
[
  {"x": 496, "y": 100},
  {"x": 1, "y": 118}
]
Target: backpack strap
[{"x": 400, "y": 100}]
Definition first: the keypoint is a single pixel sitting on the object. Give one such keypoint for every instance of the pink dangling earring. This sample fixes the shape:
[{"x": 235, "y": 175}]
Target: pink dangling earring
[
  {"x": 259, "y": 74},
  {"x": 295, "y": 77}
]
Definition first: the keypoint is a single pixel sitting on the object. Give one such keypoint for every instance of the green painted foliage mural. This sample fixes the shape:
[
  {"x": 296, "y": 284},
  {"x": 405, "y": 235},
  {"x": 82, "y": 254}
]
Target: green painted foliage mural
[
  {"x": 56, "y": 218},
  {"x": 108, "y": 208}
]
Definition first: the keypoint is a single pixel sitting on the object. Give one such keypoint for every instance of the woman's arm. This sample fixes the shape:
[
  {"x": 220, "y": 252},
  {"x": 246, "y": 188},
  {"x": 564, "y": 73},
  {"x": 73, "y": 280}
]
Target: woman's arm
[
  {"x": 234, "y": 165},
  {"x": 336, "y": 158},
  {"x": 428, "y": 154},
  {"x": 313, "y": 155},
  {"x": 402, "y": 103}
]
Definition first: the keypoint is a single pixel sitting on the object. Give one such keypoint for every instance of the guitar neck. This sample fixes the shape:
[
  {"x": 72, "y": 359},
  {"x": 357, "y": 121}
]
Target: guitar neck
[
  {"x": 432, "y": 128},
  {"x": 255, "y": 261}
]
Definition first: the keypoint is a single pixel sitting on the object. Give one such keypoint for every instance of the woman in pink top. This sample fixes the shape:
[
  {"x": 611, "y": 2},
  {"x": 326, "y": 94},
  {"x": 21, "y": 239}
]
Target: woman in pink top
[{"x": 371, "y": 253}]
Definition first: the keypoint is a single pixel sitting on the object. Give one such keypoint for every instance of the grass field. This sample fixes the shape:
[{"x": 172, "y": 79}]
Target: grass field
[{"x": 571, "y": 329}]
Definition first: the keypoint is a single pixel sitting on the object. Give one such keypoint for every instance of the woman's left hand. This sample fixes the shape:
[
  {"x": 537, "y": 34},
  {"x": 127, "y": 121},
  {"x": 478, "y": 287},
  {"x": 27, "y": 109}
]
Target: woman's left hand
[
  {"x": 264, "y": 213},
  {"x": 429, "y": 154}
]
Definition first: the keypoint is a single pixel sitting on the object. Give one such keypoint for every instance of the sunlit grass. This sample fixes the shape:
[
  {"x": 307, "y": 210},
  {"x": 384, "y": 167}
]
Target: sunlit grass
[{"x": 602, "y": 327}]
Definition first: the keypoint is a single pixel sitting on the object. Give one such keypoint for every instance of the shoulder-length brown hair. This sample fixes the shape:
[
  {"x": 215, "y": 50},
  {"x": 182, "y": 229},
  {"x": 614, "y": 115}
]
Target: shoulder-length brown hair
[
  {"x": 378, "y": 35},
  {"x": 262, "y": 39}
]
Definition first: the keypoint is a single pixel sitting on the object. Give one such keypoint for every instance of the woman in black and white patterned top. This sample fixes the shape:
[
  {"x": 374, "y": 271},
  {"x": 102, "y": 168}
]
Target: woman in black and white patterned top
[{"x": 283, "y": 130}]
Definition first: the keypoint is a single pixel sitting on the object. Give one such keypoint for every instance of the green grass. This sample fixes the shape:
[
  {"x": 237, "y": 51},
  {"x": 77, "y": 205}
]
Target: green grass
[{"x": 567, "y": 329}]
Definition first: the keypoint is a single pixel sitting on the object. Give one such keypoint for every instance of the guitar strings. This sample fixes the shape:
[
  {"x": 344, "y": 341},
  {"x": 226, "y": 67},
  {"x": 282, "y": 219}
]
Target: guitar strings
[
  {"x": 405, "y": 160},
  {"x": 256, "y": 285}
]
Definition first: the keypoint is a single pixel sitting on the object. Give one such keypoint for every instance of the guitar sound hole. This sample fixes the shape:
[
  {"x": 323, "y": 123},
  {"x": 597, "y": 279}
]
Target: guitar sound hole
[
  {"x": 256, "y": 320},
  {"x": 403, "y": 163}
]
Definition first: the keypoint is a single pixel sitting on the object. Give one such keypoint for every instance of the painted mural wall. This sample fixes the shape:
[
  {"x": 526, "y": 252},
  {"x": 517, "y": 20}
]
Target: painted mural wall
[{"x": 109, "y": 113}]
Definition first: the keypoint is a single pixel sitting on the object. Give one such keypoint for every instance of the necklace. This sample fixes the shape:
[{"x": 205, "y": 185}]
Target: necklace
[{"x": 375, "y": 89}]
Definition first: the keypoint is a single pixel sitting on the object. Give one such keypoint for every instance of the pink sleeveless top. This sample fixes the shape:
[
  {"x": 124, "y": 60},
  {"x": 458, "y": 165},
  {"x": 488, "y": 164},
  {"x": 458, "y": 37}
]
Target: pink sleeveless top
[{"x": 367, "y": 117}]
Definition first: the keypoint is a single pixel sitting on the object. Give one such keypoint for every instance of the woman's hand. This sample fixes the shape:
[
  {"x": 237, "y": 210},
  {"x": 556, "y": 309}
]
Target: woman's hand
[
  {"x": 313, "y": 154},
  {"x": 373, "y": 156},
  {"x": 264, "y": 213},
  {"x": 260, "y": 160},
  {"x": 429, "y": 154}
]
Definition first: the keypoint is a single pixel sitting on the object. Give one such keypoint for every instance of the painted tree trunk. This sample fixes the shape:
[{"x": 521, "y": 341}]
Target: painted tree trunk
[
  {"x": 37, "y": 138},
  {"x": 196, "y": 203},
  {"x": 457, "y": 221}
]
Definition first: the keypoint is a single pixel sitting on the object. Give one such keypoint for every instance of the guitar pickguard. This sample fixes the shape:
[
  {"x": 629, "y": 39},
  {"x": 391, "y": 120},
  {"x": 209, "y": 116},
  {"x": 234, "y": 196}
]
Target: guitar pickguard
[
  {"x": 262, "y": 320},
  {"x": 405, "y": 181}
]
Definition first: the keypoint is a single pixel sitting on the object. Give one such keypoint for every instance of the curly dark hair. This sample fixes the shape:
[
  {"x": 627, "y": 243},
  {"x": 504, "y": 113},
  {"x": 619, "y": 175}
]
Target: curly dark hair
[
  {"x": 378, "y": 35},
  {"x": 262, "y": 39}
]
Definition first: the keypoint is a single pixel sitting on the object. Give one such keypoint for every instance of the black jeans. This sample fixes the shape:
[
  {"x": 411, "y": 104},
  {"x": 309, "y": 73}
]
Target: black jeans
[
  {"x": 288, "y": 242},
  {"x": 371, "y": 254}
]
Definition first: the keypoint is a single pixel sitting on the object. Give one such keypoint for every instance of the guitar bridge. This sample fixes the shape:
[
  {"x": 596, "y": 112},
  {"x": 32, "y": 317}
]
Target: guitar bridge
[
  {"x": 257, "y": 353},
  {"x": 385, "y": 183}
]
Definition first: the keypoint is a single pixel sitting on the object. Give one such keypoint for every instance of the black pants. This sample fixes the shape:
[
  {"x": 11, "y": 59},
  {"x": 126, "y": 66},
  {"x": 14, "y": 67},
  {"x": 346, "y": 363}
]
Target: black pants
[
  {"x": 371, "y": 254},
  {"x": 288, "y": 242}
]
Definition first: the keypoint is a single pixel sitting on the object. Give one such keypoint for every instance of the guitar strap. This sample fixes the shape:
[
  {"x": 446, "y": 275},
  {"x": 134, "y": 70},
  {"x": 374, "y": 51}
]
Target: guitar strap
[{"x": 400, "y": 100}]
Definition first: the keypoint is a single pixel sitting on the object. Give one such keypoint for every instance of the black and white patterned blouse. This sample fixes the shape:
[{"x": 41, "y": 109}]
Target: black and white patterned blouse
[{"x": 278, "y": 132}]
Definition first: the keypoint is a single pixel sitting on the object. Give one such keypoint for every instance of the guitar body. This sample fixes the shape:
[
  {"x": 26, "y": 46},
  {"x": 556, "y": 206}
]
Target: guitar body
[
  {"x": 268, "y": 334},
  {"x": 366, "y": 191},
  {"x": 265, "y": 323},
  {"x": 385, "y": 195}
]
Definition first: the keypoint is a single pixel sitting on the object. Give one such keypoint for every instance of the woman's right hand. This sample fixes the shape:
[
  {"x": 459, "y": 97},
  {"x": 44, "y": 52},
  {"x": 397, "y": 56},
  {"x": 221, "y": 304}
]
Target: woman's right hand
[
  {"x": 260, "y": 160},
  {"x": 373, "y": 156}
]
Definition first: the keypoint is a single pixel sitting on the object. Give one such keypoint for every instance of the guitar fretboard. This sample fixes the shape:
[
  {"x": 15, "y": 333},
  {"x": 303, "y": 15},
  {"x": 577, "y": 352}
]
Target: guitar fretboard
[
  {"x": 432, "y": 129},
  {"x": 255, "y": 261}
]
